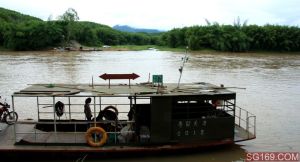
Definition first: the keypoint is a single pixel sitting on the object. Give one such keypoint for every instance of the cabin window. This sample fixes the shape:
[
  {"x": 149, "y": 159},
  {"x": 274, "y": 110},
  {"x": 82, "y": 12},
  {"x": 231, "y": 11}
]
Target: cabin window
[{"x": 193, "y": 109}]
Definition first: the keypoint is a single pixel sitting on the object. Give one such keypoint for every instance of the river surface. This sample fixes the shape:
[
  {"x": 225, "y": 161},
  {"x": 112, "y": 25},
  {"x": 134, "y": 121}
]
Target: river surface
[{"x": 268, "y": 85}]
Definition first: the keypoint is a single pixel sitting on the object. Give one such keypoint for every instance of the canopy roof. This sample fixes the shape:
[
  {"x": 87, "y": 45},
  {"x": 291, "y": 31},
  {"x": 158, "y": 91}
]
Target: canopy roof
[{"x": 143, "y": 89}]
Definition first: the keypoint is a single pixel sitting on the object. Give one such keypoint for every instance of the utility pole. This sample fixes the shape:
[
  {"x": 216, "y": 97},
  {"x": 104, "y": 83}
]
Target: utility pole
[{"x": 184, "y": 60}]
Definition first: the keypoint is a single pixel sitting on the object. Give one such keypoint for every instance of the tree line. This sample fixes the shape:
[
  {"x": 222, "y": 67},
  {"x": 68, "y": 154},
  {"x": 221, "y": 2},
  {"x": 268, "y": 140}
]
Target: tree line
[
  {"x": 235, "y": 38},
  {"x": 23, "y": 32}
]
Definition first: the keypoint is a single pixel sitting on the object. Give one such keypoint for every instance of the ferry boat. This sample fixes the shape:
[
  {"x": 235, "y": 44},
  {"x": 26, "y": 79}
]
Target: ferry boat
[{"x": 127, "y": 118}]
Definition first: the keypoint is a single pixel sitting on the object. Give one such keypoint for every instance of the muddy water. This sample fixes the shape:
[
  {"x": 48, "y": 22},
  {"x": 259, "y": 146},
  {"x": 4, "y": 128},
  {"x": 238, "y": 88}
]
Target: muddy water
[{"x": 267, "y": 85}]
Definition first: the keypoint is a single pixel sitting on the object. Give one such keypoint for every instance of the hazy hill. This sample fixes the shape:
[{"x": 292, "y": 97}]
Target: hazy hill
[
  {"x": 126, "y": 28},
  {"x": 24, "y": 32},
  {"x": 15, "y": 17}
]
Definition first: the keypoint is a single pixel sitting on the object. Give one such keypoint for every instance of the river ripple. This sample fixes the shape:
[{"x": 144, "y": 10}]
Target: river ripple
[{"x": 272, "y": 83}]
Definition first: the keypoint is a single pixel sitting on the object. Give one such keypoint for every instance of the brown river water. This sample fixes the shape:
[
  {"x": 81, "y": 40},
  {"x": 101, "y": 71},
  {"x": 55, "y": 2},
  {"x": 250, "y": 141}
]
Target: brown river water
[{"x": 267, "y": 85}]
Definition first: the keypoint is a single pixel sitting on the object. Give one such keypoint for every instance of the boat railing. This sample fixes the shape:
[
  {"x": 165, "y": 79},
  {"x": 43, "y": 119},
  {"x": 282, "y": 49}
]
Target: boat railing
[
  {"x": 247, "y": 121},
  {"x": 74, "y": 106},
  {"x": 71, "y": 126},
  {"x": 77, "y": 112},
  {"x": 76, "y": 136}
]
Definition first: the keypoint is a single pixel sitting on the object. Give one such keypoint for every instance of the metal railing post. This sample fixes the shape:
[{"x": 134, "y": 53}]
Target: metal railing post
[
  {"x": 35, "y": 137},
  {"x": 115, "y": 133},
  {"x": 255, "y": 126},
  {"x": 75, "y": 129},
  {"x": 94, "y": 111},
  {"x": 70, "y": 117},
  {"x": 13, "y": 108},
  {"x": 55, "y": 131},
  {"x": 38, "y": 107},
  {"x": 247, "y": 123},
  {"x": 99, "y": 104},
  {"x": 240, "y": 116}
]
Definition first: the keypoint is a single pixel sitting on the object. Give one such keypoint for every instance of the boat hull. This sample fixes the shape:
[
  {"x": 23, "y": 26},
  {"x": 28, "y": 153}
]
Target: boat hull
[{"x": 8, "y": 147}]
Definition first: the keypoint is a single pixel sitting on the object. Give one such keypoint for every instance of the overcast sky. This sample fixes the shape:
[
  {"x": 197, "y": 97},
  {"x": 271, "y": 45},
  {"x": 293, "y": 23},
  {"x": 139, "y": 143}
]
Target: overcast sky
[{"x": 164, "y": 14}]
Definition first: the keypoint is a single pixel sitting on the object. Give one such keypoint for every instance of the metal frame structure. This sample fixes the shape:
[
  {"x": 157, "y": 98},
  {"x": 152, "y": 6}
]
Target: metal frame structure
[{"x": 74, "y": 115}]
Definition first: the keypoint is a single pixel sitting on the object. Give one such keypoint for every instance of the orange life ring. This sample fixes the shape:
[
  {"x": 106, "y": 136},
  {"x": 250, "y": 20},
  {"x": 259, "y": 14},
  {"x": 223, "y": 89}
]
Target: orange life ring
[{"x": 96, "y": 136}]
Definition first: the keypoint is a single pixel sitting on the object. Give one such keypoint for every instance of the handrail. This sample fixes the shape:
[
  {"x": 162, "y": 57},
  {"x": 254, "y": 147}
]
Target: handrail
[
  {"x": 247, "y": 121},
  {"x": 75, "y": 133},
  {"x": 254, "y": 125},
  {"x": 73, "y": 117}
]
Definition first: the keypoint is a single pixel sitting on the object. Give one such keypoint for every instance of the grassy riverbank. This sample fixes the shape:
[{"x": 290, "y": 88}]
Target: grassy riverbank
[
  {"x": 4, "y": 49},
  {"x": 178, "y": 49},
  {"x": 182, "y": 49},
  {"x": 160, "y": 48},
  {"x": 142, "y": 47}
]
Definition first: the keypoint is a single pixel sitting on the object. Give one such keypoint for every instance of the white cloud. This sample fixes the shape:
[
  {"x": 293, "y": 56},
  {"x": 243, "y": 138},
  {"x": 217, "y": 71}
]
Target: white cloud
[{"x": 164, "y": 14}]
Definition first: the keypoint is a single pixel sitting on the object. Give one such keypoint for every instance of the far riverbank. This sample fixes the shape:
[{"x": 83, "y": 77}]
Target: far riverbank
[{"x": 149, "y": 47}]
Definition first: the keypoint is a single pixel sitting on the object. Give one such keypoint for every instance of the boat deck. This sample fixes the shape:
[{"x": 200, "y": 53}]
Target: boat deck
[
  {"x": 44, "y": 142},
  {"x": 240, "y": 134}
]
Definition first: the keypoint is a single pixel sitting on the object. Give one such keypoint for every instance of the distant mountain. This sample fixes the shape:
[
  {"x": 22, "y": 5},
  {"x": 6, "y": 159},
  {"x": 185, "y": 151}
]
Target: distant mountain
[{"x": 126, "y": 28}]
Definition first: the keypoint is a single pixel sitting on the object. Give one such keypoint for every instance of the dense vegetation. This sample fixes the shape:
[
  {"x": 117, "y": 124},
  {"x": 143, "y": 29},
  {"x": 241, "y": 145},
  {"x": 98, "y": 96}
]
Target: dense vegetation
[
  {"x": 235, "y": 38},
  {"x": 23, "y": 32}
]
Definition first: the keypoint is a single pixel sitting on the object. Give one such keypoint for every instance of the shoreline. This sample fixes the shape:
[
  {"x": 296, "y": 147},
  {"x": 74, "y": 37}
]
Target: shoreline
[{"x": 148, "y": 47}]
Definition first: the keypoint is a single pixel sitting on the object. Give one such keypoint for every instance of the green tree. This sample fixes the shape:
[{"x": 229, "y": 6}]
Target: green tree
[
  {"x": 70, "y": 15},
  {"x": 68, "y": 19}
]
